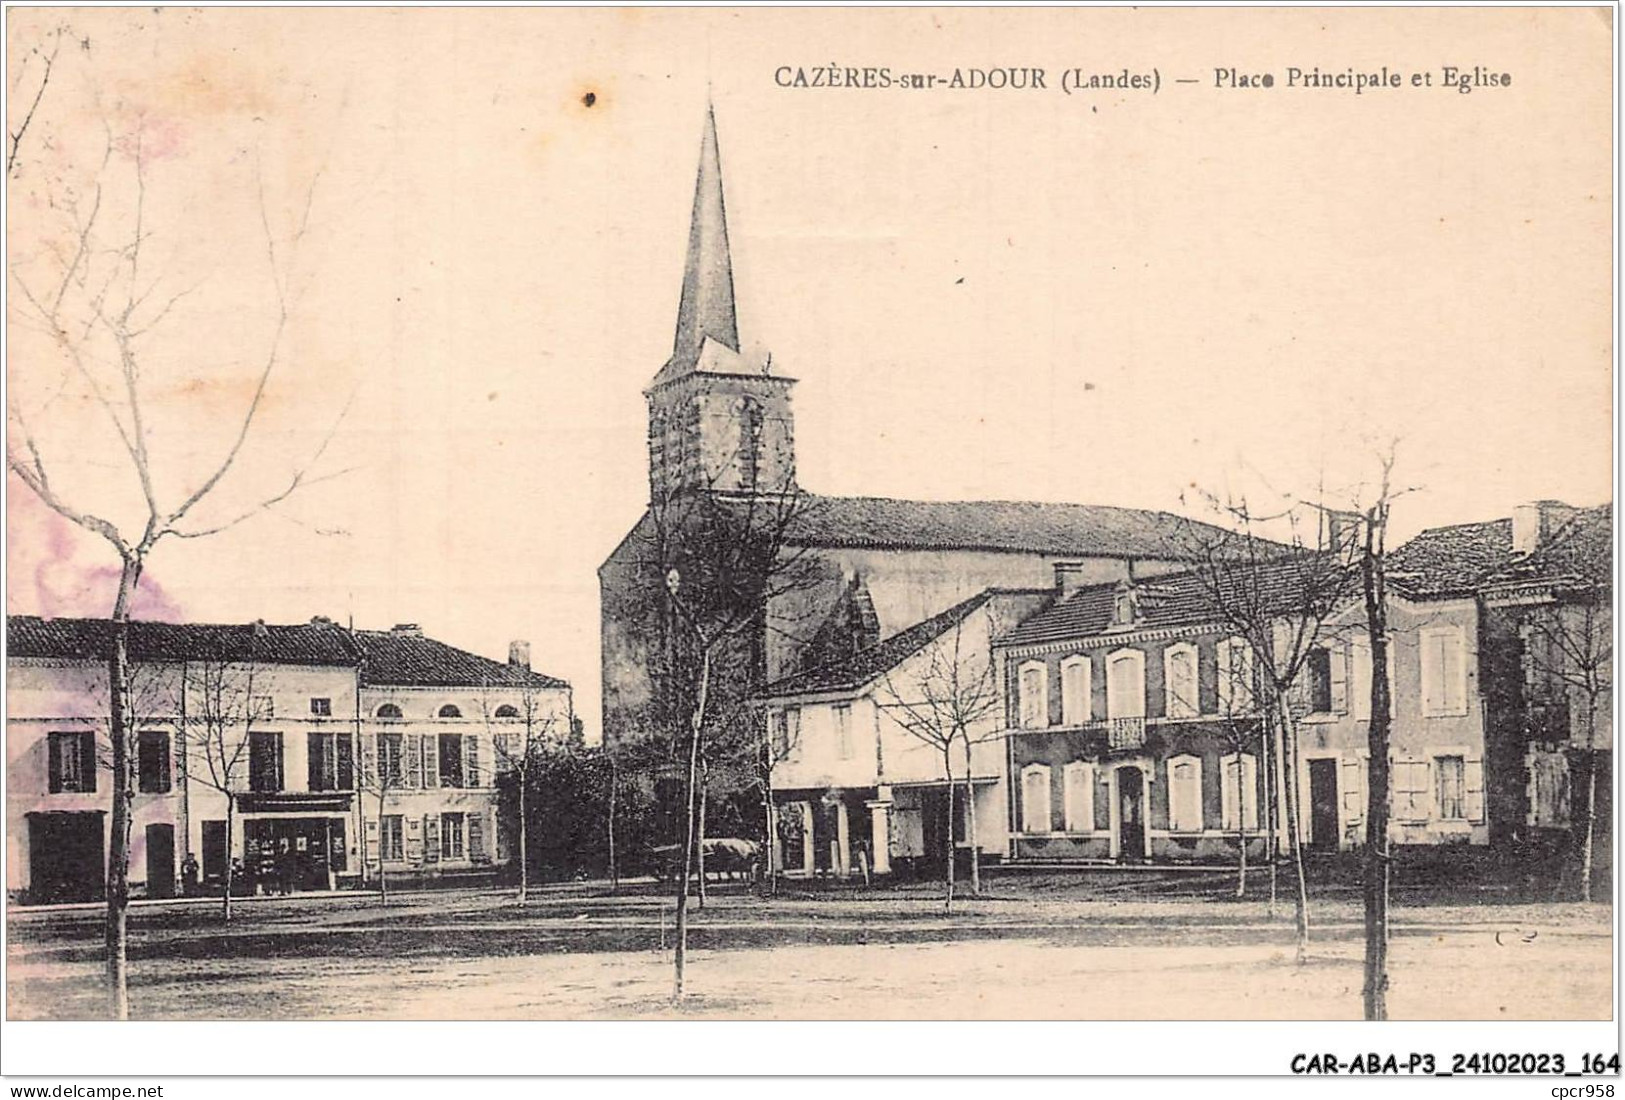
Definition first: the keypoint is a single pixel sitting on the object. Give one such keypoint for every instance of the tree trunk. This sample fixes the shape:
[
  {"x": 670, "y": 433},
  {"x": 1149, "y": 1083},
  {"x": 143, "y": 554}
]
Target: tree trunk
[
  {"x": 1376, "y": 861},
  {"x": 1588, "y": 825},
  {"x": 1266, "y": 733},
  {"x": 770, "y": 864},
  {"x": 524, "y": 832},
  {"x": 1289, "y": 762},
  {"x": 970, "y": 826},
  {"x": 225, "y": 901},
  {"x": 118, "y": 856},
  {"x": 699, "y": 840},
  {"x": 948, "y": 833},
  {"x": 697, "y": 724}
]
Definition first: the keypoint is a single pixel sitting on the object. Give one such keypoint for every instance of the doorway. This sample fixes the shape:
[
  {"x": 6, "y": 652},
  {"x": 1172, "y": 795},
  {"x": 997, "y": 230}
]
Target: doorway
[
  {"x": 1130, "y": 815},
  {"x": 66, "y": 860},
  {"x": 1324, "y": 830},
  {"x": 160, "y": 861}
]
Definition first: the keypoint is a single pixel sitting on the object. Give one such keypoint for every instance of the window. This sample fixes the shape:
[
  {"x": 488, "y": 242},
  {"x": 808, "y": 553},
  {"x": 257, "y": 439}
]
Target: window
[
  {"x": 1549, "y": 789},
  {"x": 1125, "y": 684},
  {"x": 1360, "y": 660},
  {"x": 1411, "y": 792},
  {"x": 389, "y": 710},
  {"x": 451, "y": 760},
  {"x": 750, "y": 441},
  {"x": 1034, "y": 695},
  {"x": 507, "y": 710},
  {"x": 787, "y": 734},
  {"x": 1179, "y": 681},
  {"x": 264, "y": 761},
  {"x": 1238, "y": 792},
  {"x": 1235, "y": 676},
  {"x": 1078, "y": 797},
  {"x": 1075, "y": 688},
  {"x": 73, "y": 762},
  {"x": 321, "y": 708},
  {"x": 451, "y": 836},
  {"x": 1125, "y": 605},
  {"x": 1035, "y": 799},
  {"x": 390, "y": 772},
  {"x": 1444, "y": 672},
  {"x": 1185, "y": 794},
  {"x": 450, "y": 711},
  {"x": 1450, "y": 788},
  {"x": 331, "y": 766},
  {"x": 261, "y": 707},
  {"x": 841, "y": 716},
  {"x": 392, "y": 837},
  {"x": 152, "y": 762}
]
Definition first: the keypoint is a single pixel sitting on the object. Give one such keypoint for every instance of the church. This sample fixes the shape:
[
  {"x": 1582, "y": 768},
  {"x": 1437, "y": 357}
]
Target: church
[{"x": 866, "y": 570}]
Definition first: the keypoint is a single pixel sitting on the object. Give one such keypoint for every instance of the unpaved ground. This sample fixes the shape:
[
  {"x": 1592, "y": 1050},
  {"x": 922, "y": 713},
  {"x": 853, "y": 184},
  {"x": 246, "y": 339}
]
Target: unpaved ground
[{"x": 578, "y": 956}]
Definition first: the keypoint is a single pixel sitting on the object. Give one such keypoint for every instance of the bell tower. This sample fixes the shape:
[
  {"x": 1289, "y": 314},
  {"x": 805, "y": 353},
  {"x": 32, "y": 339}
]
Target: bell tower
[{"x": 719, "y": 420}]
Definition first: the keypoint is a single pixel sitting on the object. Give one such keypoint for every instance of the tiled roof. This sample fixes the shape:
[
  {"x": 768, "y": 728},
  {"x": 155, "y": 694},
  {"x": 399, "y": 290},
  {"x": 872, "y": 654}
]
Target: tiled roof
[
  {"x": 1062, "y": 529},
  {"x": 1451, "y": 561},
  {"x": 391, "y": 657},
  {"x": 1583, "y": 547},
  {"x": 401, "y": 659},
  {"x": 863, "y": 667},
  {"x": 1187, "y": 599},
  {"x": 315, "y": 643}
]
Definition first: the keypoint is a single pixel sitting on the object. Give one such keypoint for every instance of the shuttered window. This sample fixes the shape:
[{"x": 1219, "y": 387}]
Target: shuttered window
[
  {"x": 1075, "y": 691},
  {"x": 1078, "y": 797},
  {"x": 1235, "y": 676},
  {"x": 1238, "y": 792},
  {"x": 1179, "y": 681},
  {"x": 1034, "y": 696},
  {"x": 72, "y": 765},
  {"x": 331, "y": 765},
  {"x": 1125, "y": 684},
  {"x": 264, "y": 762},
  {"x": 1412, "y": 793},
  {"x": 1035, "y": 809},
  {"x": 152, "y": 762},
  {"x": 392, "y": 837},
  {"x": 1444, "y": 672},
  {"x": 451, "y": 836}
]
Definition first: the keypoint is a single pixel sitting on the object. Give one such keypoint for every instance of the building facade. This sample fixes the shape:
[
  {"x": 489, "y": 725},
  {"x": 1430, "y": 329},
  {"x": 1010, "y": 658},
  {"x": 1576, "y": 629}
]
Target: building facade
[{"x": 260, "y": 749}]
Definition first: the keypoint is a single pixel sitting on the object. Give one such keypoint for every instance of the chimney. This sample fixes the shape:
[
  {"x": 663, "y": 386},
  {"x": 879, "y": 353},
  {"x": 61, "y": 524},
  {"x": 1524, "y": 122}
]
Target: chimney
[
  {"x": 519, "y": 654},
  {"x": 1069, "y": 577},
  {"x": 320, "y": 620},
  {"x": 410, "y": 630},
  {"x": 1533, "y": 524}
]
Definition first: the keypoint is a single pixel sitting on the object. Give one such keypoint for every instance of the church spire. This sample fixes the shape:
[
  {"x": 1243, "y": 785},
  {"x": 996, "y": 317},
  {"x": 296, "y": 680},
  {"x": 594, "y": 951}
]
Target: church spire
[{"x": 707, "y": 306}]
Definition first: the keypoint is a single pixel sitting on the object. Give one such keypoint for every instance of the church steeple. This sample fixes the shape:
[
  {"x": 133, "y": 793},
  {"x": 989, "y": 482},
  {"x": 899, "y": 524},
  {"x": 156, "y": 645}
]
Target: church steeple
[{"x": 707, "y": 306}]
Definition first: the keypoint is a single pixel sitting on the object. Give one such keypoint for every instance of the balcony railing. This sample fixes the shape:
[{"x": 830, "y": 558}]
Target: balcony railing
[{"x": 1125, "y": 733}]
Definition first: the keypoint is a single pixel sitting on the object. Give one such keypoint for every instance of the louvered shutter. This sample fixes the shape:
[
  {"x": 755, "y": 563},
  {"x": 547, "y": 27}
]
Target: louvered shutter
[
  {"x": 1353, "y": 792},
  {"x": 471, "y": 760},
  {"x": 315, "y": 774},
  {"x": 1227, "y": 695},
  {"x": 431, "y": 761},
  {"x": 1337, "y": 661},
  {"x": 1473, "y": 780},
  {"x": 476, "y": 838},
  {"x": 87, "y": 762},
  {"x": 1361, "y": 659},
  {"x": 375, "y": 852},
  {"x": 412, "y": 772},
  {"x": 431, "y": 838},
  {"x": 413, "y": 830},
  {"x": 370, "y": 751},
  {"x": 346, "y": 764}
]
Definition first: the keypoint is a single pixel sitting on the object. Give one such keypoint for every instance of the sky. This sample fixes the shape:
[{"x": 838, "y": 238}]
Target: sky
[{"x": 1112, "y": 297}]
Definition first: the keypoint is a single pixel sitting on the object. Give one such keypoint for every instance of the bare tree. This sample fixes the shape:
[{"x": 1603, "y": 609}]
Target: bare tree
[
  {"x": 521, "y": 730},
  {"x": 1373, "y": 537},
  {"x": 222, "y": 705},
  {"x": 949, "y": 700},
  {"x": 98, "y": 316},
  {"x": 1276, "y": 597},
  {"x": 724, "y": 559},
  {"x": 383, "y": 772}
]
